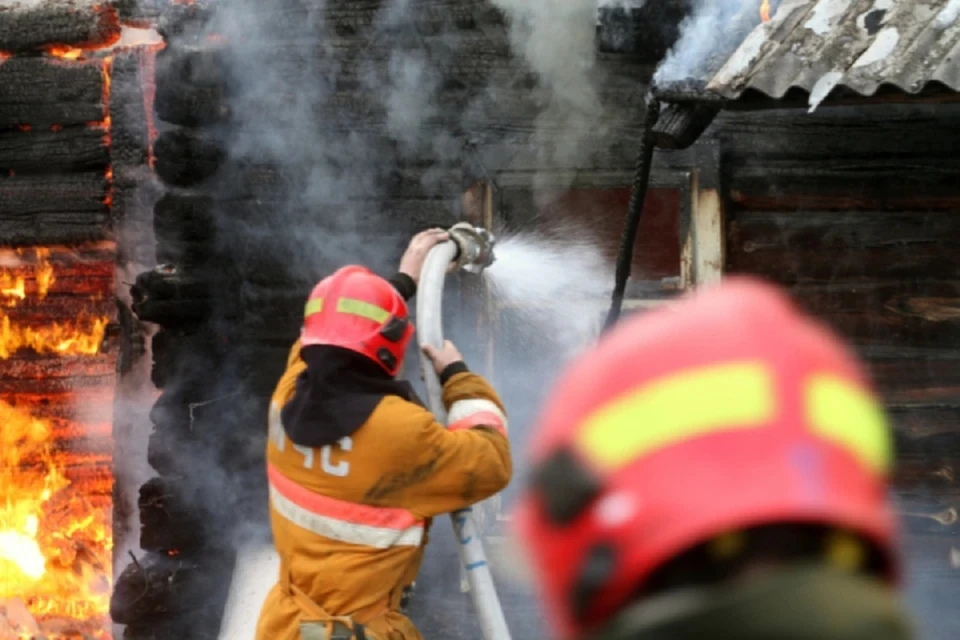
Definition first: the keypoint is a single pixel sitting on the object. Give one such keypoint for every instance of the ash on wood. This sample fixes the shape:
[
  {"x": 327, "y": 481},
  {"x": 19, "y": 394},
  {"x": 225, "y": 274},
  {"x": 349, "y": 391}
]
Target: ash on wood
[
  {"x": 53, "y": 209},
  {"x": 26, "y": 26},
  {"x": 41, "y": 92},
  {"x": 129, "y": 129}
]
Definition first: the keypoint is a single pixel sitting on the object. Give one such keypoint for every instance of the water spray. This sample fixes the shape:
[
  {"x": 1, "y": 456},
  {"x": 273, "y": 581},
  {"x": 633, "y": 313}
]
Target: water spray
[{"x": 471, "y": 249}]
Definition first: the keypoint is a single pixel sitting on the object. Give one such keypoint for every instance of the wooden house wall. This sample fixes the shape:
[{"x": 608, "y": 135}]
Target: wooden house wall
[{"x": 856, "y": 211}]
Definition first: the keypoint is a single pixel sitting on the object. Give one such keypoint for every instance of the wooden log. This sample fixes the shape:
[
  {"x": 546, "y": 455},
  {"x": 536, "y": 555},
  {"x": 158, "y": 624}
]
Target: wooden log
[
  {"x": 923, "y": 419},
  {"x": 184, "y": 22},
  {"x": 169, "y": 518},
  {"x": 87, "y": 404},
  {"x": 129, "y": 130},
  {"x": 35, "y": 313},
  {"x": 841, "y": 231},
  {"x": 175, "y": 353},
  {"x": 902, "y": 132},
  {"x": 35, "y": 367},
  {"x": 168, "y": 299},
  {"x": 55, "y": 386},
  {"x": 186, "y": 157},
  {"x": 429, "y": 17},
  {"x": 159, "y": 587},
  {"x": 31, "y": 26},
  {"x": 191, "y": 81},
  {"x": 185, "y": 226},
  {"x": 68, "y": 150},
  {"x": 53, "y": 209},
  {"x": 42, "y": 92}
]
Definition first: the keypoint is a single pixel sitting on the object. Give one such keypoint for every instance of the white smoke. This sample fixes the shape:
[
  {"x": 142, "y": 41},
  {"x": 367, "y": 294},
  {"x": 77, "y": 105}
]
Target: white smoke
[{"x": 705, "y": 32}]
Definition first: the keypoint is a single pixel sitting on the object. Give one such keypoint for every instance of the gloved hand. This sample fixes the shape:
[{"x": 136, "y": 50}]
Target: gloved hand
[{"x": 413, "y": 258}]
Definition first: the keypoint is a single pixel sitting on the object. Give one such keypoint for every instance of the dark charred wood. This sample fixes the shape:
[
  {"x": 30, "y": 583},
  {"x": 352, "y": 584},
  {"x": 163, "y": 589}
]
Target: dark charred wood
[
  {"x": 40, "y": 93},
  {"x": 129, "y": 130},
  {"x": 819, "y": 246},
  {"x": 169, "y": 521},
  {"x": 71, "y": 149},
  {"x": 132, "y": 342},
  {"x": 140, "y": 13},
  {"x": 841, "y": 136},
  {"x": 175, "y": 354},
  {"x": 53, "y": 209},
  {"x": 190, "y": 85},
  {"x": 185, "y": 228},
  {"x": 26, "y": 26},
  {"x": 185, "y": 22},
  {"x": 921, "y": 420},
  {"x": 184, "y": 157},
  {"x": 170, "y": 300},
  {"x": 897, "y": 187},
  {"x": 842, "y": 231},
  {"x": 158, "y": 586},
  {"x": 429, "y": 17}
]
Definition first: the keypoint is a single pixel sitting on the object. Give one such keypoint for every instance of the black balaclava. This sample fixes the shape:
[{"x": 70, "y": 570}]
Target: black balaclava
[{"x": 336, "y": 395}]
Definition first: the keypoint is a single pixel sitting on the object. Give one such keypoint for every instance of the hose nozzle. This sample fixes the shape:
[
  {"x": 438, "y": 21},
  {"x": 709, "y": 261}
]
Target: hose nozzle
[{"x": 475, "y": 247}]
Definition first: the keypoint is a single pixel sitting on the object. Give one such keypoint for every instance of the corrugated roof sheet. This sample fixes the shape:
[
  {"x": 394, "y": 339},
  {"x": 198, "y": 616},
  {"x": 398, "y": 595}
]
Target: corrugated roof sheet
[{"x": 822, "y": 45}]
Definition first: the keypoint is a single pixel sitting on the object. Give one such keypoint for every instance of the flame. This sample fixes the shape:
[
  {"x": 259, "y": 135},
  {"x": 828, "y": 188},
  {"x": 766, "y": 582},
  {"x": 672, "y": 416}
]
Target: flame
[
  {"x": 83, "y": 336},
  {"x": 55, "y": 531},
  {"x": 13, "y": 287},
  {"x": 54, "y": 549},
  {"x": 765, "y": 10},
  {"x": 65, "y": 52}
]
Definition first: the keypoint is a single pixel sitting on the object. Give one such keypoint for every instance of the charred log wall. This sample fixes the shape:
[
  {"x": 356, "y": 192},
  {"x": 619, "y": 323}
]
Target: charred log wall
[{"x": 855, "y": 211}]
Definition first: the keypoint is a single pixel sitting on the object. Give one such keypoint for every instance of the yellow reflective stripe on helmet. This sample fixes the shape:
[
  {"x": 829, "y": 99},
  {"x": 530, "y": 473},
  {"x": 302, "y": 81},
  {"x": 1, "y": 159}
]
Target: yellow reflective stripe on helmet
[
  {"x": 313, "y": 306},
  {"x": 362, "y": 309},
  {"x": 851, "y": 418},
  {"x": 683, "y": 406}
]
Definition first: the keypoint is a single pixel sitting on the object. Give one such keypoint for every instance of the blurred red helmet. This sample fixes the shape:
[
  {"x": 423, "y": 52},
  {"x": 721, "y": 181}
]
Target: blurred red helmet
[
  {"x": 723, "y": 411},
  {"x": 358, "y": 310}
]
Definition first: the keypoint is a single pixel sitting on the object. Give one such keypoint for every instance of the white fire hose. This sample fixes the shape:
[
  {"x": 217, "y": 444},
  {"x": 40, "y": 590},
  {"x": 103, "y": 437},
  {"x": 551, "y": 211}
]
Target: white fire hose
[{"x": 472, "y": 249}]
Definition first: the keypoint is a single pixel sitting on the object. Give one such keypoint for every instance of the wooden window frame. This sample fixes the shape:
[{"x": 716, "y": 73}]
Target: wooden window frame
[{"x": 695, "y": 173}]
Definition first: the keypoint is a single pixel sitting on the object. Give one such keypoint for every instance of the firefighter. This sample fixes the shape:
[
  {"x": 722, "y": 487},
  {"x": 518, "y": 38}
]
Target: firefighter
[
  {"x": 358, "y": 467},
  {"x": 715, "y": 469}
]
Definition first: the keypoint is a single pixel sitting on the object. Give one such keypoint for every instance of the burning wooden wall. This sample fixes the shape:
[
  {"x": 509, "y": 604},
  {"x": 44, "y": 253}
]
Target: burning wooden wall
[
  {"x": 73, "y": 143},
  {"x": 854, "y": 210},
  {"x": 57, "y": 370}
]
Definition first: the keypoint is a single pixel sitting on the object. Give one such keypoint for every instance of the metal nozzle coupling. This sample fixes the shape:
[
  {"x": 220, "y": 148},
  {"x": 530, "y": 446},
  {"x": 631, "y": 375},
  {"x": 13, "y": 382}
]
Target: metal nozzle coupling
[{"x": 475, "y": 247}]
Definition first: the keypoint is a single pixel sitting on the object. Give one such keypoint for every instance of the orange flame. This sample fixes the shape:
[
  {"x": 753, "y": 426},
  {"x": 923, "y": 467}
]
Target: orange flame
[
  {"x": 65, "y": 52},
  {"x": 55, "y": 551},
  {"x": 765, "y": 9},
  {"x": 13, "y": 287},
  {"x": 55, "y": 545}
]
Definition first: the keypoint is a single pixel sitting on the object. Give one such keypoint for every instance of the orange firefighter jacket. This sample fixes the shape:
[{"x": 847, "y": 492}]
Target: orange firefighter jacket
[{"x": 350, "y": 520}]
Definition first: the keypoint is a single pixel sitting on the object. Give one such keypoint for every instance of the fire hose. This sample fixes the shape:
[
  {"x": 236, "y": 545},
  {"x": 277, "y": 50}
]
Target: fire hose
[{"x": 470, "y": 249}]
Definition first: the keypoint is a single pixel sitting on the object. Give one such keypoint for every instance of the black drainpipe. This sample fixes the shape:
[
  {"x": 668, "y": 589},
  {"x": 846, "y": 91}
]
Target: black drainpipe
[{"x": 641, "y": 182}]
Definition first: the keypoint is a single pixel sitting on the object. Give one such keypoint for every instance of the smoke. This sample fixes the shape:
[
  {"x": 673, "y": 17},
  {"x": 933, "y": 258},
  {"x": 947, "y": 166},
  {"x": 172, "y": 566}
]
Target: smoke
[
  {"x": 708, "y": 34},
  {"x": 556, "y": 39}
]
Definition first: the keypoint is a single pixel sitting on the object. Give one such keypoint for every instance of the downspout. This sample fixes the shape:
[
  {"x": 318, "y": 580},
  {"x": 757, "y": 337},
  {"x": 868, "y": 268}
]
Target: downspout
[
  {"x": 470, "y": 249},
  {"x": 641, "y": 182}
]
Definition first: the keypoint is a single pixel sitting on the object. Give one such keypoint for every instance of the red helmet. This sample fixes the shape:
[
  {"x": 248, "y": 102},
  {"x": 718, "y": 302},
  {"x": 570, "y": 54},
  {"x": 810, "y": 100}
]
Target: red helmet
[
  {"x": 358, "y": 310},
  {"x": 723, "y": 411}
]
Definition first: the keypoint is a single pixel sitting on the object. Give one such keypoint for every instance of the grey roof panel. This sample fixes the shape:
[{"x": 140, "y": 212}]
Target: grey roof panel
[{"x": 820, "y": 45}]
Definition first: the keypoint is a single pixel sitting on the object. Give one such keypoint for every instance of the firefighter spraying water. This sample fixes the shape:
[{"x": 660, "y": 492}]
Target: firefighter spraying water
[{"x": 358, "y": 466}]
